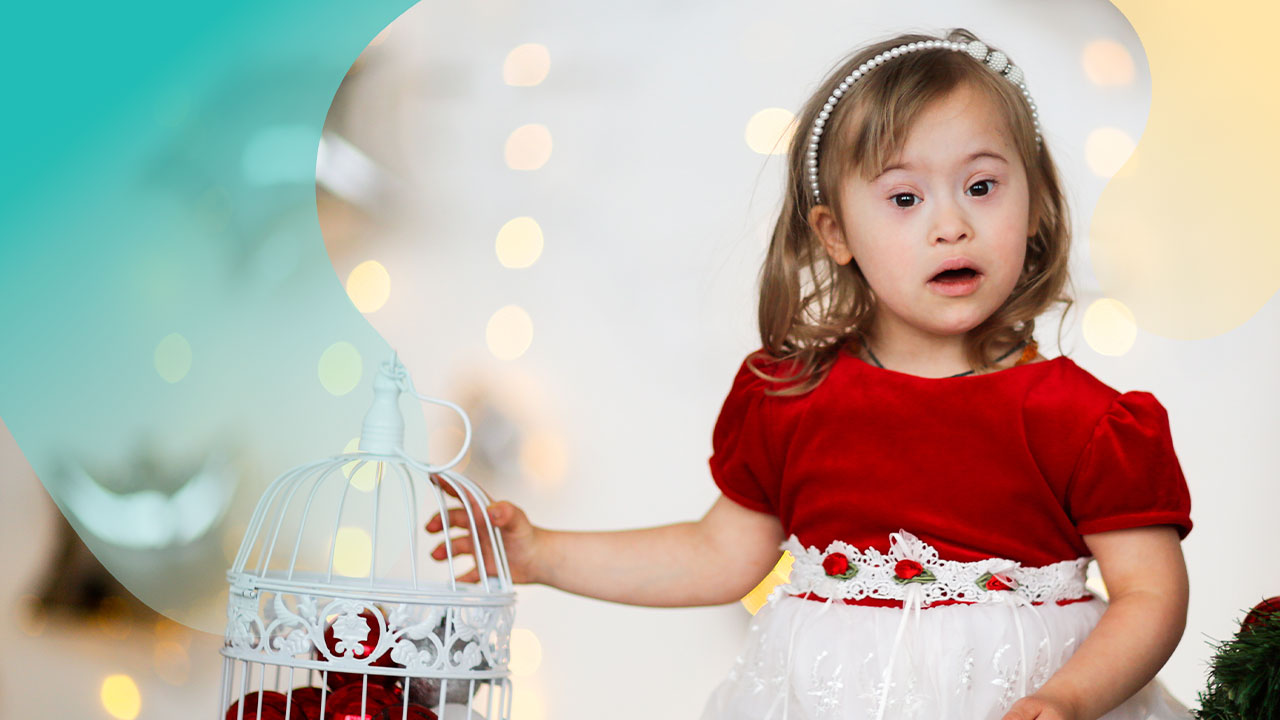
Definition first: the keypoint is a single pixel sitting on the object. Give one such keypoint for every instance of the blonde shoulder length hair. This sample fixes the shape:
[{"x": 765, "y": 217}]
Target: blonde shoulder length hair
[{"x": 811, "y": 308}]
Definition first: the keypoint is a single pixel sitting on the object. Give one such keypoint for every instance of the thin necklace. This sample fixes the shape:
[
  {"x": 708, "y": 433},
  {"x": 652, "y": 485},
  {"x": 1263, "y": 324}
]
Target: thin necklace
[{"x": 865, "y": 344}]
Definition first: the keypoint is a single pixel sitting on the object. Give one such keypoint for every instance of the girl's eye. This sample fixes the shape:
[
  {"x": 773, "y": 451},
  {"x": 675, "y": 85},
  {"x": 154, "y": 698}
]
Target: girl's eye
[
  {"x": 989, "y": 183},
  {"x": 894, "y": 199}
]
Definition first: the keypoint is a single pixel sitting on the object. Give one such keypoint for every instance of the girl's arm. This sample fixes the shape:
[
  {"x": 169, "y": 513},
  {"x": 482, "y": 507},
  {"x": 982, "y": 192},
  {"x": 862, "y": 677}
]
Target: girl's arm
[
  {"x": 712, "y": 561},
  {"x": 1146, "y": 579}
]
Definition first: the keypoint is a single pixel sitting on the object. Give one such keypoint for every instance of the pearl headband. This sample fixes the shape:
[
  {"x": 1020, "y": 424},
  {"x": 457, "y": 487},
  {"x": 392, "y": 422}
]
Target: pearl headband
[{"x": 993, "y": 59}]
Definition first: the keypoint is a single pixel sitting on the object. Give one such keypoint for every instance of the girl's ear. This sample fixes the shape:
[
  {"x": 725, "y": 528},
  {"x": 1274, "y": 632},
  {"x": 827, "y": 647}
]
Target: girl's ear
[{"x": 823, "y": 223}]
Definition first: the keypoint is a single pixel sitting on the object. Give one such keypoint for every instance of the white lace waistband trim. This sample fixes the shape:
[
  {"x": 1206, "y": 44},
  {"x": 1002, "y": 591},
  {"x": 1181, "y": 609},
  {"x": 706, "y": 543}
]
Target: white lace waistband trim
[{"x": 860, "y": 574}]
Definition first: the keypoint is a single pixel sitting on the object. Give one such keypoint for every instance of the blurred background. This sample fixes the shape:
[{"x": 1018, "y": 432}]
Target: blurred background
[{"x": 554, "y": 213}]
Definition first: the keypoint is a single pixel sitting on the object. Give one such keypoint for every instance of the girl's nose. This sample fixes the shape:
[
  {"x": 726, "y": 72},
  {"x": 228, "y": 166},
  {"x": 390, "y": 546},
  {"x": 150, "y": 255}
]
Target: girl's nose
[{"x": 950, "y": 223}]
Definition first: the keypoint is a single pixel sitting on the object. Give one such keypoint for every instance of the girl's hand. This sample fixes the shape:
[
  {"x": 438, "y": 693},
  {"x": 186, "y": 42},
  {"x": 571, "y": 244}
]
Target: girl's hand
[
  {"x": 520, "y": 539},
  {"x": 1039, "y": 707}
]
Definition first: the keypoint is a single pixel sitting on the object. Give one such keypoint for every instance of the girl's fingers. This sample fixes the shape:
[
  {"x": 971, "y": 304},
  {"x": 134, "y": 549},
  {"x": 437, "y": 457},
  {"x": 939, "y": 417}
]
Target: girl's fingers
[
  {"x": 473, "y": 576},
  {"x": 451, "y": 489},
  {"x": 457, "y": 518},
  {"x": 461, "y": 545},
  {"x": 440, "y": 552},
  {"x": 503, "y": 514},
  {"x": 445, "y": 485}
]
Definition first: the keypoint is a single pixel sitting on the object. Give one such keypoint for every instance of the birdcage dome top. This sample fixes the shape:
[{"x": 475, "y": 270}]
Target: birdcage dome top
[{"x": 351, "y": 525}]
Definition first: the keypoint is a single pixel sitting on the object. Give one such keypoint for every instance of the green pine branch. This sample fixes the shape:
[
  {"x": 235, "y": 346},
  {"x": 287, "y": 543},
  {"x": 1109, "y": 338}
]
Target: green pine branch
[{"x": 1244, "y": 676}]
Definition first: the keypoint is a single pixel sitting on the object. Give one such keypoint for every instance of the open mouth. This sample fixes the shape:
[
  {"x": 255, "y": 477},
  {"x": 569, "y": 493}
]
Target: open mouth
[{"x": 955, "y": 275}]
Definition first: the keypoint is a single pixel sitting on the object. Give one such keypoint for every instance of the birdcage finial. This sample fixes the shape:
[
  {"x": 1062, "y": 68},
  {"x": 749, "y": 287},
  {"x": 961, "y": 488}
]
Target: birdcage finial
[{"x": 383, "y": 431}]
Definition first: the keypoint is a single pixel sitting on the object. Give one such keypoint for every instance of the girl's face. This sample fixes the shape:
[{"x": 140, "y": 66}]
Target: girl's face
[{"x": 958, "y": 191}]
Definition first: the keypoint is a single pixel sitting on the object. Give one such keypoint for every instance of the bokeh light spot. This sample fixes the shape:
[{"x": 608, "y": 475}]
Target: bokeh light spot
[
  {"x": 526, "y": 652},
  {"x": 340, "y": 368},
  {"x": 1107, "y": 63},
  {"x": 509, "y": 332},
  {"x": 120, "y": 697},
  {"x": 369, "y": 286},
  {"x": 528, "y": 147},
  {"x": 353, "y": 552},
  {"x": 544, "y": 458},
  {"x": 529, "y": 703},
  {"x": 1106, "y": 150},
  {"x": 172, "y": 663},
  {"x": 169, "y": 631},
  {"x": 365, "y": 478},
  {"x": 526, "y": 65},
  {"x": 769, "y": 131},
  {"x": 113, "y": 617},
  {"x": 173, "y": 357},
  {"x": 519, "y": 243},
  {"x": 1109, "y": 327}
]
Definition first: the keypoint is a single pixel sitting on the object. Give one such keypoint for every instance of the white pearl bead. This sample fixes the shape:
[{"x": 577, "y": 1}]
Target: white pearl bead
[
  {"x": 824, "y": 114},
  {"x": 863, "y": 68},
  {"x": 817, "y": 131},
  {"x": 838, "y": 92}
]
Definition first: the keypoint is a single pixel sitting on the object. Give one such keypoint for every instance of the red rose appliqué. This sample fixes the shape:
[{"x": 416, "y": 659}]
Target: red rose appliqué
[
  {"x": 990, "y": 581},
  {"x": 907, "y": 569},
  {"x": 836, "y": 564}
]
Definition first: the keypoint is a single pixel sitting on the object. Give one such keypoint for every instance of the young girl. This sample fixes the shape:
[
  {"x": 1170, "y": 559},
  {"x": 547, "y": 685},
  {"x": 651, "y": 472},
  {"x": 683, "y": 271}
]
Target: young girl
[{"x": 941, "y": 518}]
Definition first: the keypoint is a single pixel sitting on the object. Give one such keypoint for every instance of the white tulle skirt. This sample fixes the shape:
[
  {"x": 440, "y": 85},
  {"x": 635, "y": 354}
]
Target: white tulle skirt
[{"x": 810, "y": 660}]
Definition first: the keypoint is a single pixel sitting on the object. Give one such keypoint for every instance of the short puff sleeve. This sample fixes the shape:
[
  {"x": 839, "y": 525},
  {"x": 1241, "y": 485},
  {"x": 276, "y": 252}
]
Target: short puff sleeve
[
  {"x": 1128, "y": 474},
  {"x": 740, "y": 463}
]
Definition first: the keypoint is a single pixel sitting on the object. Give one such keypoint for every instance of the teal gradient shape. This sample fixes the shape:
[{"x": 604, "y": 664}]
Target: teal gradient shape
[{"x": 130, "y": 211}]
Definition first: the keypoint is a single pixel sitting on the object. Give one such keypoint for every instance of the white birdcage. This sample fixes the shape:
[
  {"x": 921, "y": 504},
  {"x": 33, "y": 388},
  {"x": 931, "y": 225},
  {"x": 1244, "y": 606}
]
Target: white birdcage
[{"x": 315, "y": 633}]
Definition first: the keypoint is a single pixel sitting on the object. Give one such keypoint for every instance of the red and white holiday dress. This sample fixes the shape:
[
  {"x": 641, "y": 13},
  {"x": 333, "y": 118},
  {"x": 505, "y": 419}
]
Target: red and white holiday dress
[{"x": 936, "y": 525}]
